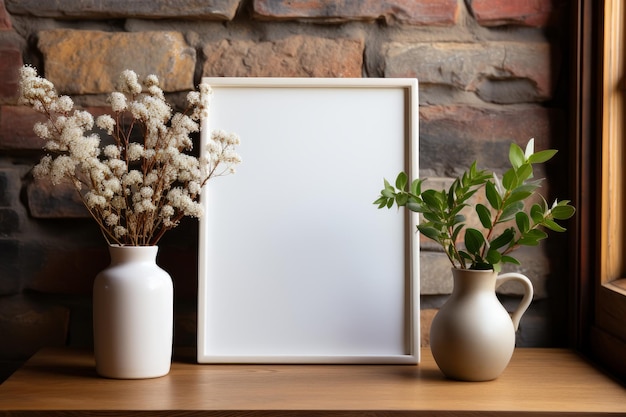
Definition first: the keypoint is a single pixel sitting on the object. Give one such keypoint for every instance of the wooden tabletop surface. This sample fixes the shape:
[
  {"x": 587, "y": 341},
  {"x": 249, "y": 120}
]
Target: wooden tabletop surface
[{"x": 63, "y": 382}]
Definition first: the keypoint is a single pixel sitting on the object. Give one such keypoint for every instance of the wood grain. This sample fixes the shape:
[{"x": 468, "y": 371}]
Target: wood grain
[{"x": 537, "y": 382}]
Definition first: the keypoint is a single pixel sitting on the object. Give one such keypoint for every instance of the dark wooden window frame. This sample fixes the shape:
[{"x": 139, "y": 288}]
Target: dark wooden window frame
[{"x": 598, "y": 168}]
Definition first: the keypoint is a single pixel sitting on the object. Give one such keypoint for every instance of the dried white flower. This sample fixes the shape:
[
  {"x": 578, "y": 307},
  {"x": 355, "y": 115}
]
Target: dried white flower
[
  {"x": 119, "y": 232},
  {"x": 106, "y": 122},
  {"x": 137, "y": 189},
  {"x": 42, "y": 130},
  {"x": 151, "y": 81},
  {"x": 63, "y": 104},
  {"x": 129, "y": 82},
  {"x": 146, "y": 192},
  {"x": 111, "y": 152},
  {"x": 118, "y": 102},
  {"x": 133, "y": 177},
  {"x": 193, "y": 98},
  {"x": 112, "y": 219},
  {"x": 42, "y": 169},
  {"x": 134, "y": 152}
]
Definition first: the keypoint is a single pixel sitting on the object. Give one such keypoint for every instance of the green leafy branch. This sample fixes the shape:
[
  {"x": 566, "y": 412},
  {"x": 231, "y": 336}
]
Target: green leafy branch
[{"x": 505, "y": 222}]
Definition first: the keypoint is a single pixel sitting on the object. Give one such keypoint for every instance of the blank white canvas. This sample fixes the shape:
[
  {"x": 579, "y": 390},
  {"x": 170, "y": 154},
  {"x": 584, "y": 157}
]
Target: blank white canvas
[{"x": 297, "y": 264}]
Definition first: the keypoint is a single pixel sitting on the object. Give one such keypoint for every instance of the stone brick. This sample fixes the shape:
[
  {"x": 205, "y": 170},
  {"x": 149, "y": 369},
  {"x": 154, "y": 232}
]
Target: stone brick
[
  {"x": 535, "y": 265},
  {"x": 16, "y": 128},
  {"x": 26, "y": 326},
  {"x": 436, "y": 278},
  {"x": 9, "y": 221},
  {"x": 10, "y": 267},
  {"x": 414, "y": 12},
  {"x": 10, "y": 63},
  {"x": 533, "y": 13},
  {"x": 501, "y": 72},
  {"x": 68, "y": 270},
  {"x": 435, "y": 275},
  {"x": 452, "y": 137},
  {"x": 47, "y": 201},
  {"x": 106, "y": 9},
  {"x": 5, "y": 20},
  {"x": 83, "y": 62},
  {"x": 295, "y": 56},
  {"x": 17, "y": 122},
  {"x": 10, "y": 184}
]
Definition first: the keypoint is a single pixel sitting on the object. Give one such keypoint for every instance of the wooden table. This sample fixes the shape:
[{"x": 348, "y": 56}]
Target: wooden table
[{"x": 537, "y": 382}]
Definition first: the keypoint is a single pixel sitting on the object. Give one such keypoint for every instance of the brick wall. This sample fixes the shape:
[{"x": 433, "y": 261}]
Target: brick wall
[{"x": 490, "y": 71}]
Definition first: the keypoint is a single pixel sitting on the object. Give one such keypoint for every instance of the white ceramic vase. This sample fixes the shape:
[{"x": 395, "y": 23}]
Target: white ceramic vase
[
  {"x": 133, "y": 306},
  {"x": 472, "y": 337}
]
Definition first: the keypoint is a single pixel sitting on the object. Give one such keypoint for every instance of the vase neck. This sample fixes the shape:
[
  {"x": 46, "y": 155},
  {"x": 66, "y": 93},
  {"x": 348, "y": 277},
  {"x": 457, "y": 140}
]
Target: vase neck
[
  {"x": 473, "y": 280},
  {"x": 120, "y": 254}
]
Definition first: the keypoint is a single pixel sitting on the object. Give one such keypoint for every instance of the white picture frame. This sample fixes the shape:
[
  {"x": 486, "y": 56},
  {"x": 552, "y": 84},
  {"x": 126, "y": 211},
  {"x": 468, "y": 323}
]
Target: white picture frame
[{"x": 296, "y": 263}]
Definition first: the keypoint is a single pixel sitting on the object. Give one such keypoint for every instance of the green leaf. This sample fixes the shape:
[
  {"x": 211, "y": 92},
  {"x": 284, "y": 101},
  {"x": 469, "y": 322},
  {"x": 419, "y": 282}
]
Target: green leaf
[
  {"x": 466, "y": 196},
  {"x": 509, "y": 180},
  {"x": 484, "y": 215},
  {"x": 493, "y": 256},
  {"x": 528, "y": 187},
  {"x": 456, "y": 220},
  {"x": 415, "y": 207},
  {"x": 388, "y": 193},
  {"x": 482, "y": 266},
  {"x": 532, "y": 237},
  {"x": 402, "y": 199},
  {"x": 401, "y": 181},
  {"x": 454, "y": 212},
  {"x": 536, "y": 213},
  {"x": 416, "y": 187},
  {"x": 459, "y": 218},
  {"x": 380, "y": 200},
  {"x": 552, "y": 225},
  {"x": 510, "y": 211},
  {"x": 465, "y": 255},
  {"x": 562, "y": 212},
  {"x": 505, "y": 238},
  {"x": 433, "y": 218},
  {"x": 432, "y": 199},
  {"x": 452, "y": 193},
  {"x": 516, "y": 155},
  {"x": 474, "y": 240},
  {"x": 542, "y": 156},
  {"x": 528, "y": 241},
  {"x": 456, "y": 232},
  {"x": 537, "y": 234},
  {"x": 429, "y": 232},
  {"x": 517, "y": 196},
  {"x": 522, "y": 221},
  {"x": 523, "y": 173},
  {"x": 510, "y": 260},
  {"x": 492, "y": 195},
  {"x": 473, "y": 170}
]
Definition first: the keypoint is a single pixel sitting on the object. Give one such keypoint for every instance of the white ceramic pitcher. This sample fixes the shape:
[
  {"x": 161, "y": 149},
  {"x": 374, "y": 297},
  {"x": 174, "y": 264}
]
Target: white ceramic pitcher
[{"x": 472, "y": 337}]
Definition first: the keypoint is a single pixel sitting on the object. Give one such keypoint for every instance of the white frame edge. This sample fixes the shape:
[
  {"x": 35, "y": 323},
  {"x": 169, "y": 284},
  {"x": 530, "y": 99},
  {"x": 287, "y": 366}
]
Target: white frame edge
[{"x": 412, "y": 316}]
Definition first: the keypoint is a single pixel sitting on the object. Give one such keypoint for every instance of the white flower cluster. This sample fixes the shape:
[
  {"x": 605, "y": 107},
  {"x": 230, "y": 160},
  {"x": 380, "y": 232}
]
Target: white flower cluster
[{"x": 135, "y": 190}]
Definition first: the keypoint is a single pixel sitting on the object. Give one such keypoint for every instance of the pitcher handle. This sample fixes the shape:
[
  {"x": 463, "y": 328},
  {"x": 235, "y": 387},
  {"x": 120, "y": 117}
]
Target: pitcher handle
[{"x": 528, "y": 294}]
